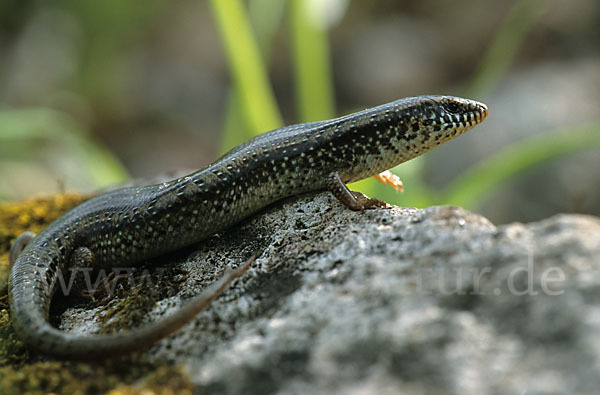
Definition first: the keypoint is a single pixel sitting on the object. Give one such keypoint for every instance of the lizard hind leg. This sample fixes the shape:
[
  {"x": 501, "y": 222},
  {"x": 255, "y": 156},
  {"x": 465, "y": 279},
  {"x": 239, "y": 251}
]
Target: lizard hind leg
[
  {"x": 19, "y": 245},
  {"x": 81, "y": 266}
]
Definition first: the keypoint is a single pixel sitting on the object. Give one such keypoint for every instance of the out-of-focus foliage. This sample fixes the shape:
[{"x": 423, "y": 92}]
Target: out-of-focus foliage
[
  {"x": 502, "y": 50},
  {"x": 474, "y": 185},
  {"x": 247, "y": 66},
  {"x": 314, "y": 84},
  {"x": 42, "y": 133},
  {"x": 252, "y": 97},
  {"x": 109, "y": 26},
  {"x": 238, "y": 120},
  {"x": 315, "y": 101},
  {"x": 37, "y": 143}
]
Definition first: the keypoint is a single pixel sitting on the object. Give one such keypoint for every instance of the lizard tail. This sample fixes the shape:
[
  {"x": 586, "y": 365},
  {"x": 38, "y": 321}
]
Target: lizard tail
[{"x": 38, "y": 334}]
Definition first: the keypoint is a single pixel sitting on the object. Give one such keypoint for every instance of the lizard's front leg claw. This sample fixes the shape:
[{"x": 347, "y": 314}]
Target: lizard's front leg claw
[{"x": 352, "y": 199}]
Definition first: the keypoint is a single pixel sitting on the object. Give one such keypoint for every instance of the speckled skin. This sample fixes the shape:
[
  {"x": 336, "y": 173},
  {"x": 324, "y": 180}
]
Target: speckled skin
[{"x": 127, "y": 226}]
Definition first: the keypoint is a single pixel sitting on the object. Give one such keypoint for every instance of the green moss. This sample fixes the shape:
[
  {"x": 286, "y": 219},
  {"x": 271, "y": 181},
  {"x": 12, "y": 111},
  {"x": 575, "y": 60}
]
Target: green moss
[
  {"x": 84, "y": 378},
  {"x": 12, "y": 350},
  {"x": 33, "y": 215},
  {"x": 165, "y": 380},
  {"x": 136, "y": 296},
  {"x": 4, "y": 272}
]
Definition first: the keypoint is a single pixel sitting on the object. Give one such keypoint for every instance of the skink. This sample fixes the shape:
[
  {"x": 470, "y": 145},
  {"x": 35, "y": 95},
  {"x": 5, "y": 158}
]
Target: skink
[{"x": 128, "y": 226}]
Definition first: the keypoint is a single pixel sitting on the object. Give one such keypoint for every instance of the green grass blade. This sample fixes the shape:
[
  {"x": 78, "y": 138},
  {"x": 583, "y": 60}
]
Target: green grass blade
[
  {"x": 236, "y": 129},
  {"x": 472, "y": 187},
  {"x": 247, "y": 67},
  {"x": 265, "y": 24},
  {"x": 314, "y": 85},
  {"x": 501, "y": 52}
]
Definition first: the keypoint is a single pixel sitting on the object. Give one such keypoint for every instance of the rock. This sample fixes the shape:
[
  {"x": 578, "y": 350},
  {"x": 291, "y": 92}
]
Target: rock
[{"x": 387, "y": 301}]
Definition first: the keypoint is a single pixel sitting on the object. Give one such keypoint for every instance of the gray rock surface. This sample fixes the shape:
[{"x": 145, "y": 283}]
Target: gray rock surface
[{"x": 391, "y": 301}]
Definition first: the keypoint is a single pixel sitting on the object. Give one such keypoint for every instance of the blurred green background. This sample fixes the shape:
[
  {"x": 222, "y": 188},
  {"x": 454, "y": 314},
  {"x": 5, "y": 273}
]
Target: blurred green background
[{"x": 93, "y": 93}]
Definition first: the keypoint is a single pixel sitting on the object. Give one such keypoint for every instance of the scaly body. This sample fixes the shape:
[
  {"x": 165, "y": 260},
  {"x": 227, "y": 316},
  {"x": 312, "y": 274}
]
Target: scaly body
[{"x": 128, "y": 226}]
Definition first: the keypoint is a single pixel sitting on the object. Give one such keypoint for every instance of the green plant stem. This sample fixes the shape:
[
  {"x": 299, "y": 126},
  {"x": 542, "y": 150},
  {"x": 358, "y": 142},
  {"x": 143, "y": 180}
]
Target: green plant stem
[
  {"x": 311, "y": 65},
  {"x": 236, "y": 130},
  {"x": 247, "y": 68}
]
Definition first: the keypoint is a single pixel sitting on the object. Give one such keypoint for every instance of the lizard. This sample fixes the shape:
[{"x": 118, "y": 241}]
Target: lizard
[{"x": 130, "y": 225}]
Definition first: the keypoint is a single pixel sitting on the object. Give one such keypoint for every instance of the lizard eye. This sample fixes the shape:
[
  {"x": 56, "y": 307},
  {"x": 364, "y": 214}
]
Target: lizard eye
[{"x": 451, "y": 107}]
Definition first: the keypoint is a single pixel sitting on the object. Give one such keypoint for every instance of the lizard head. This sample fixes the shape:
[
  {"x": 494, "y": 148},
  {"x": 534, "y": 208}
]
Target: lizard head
[
  {"x": 404, "y": 129},
  {"x": 440, "y": 118}
]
